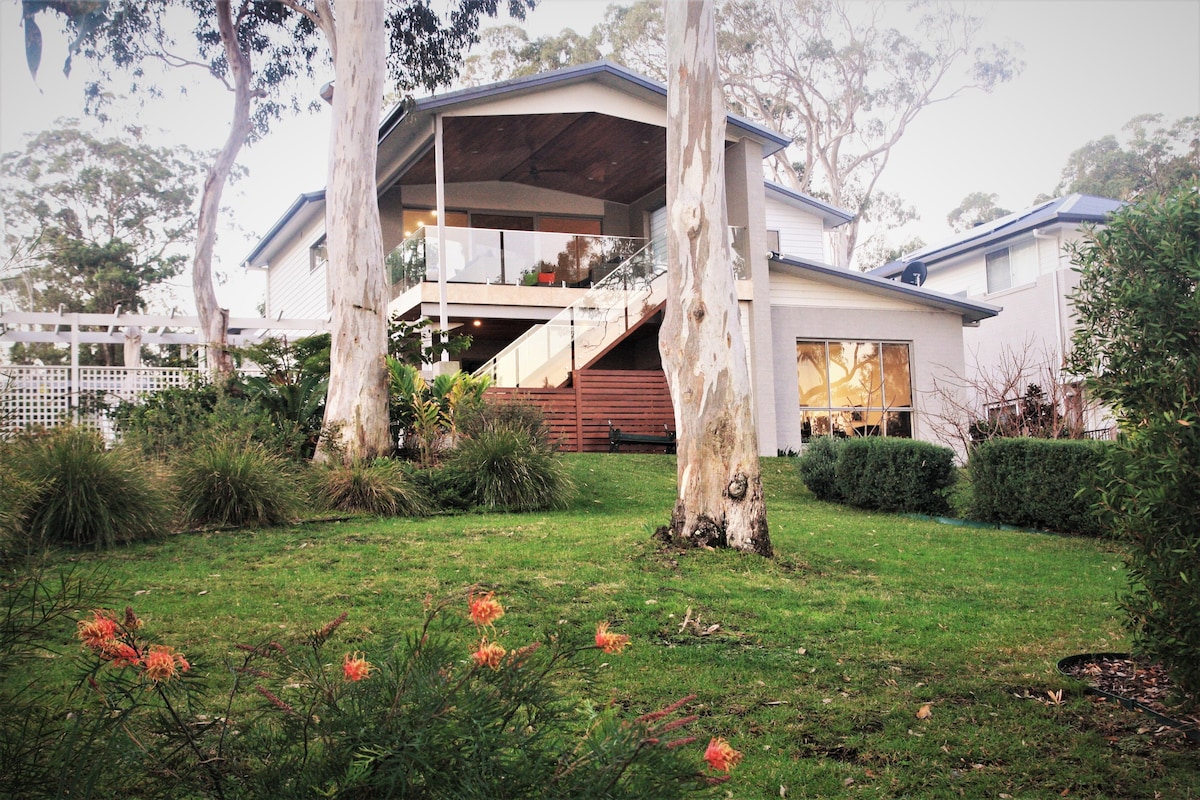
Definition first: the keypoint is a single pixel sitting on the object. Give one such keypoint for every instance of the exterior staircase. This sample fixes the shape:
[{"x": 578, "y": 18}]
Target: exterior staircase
[{"x": 547, "y": 354}]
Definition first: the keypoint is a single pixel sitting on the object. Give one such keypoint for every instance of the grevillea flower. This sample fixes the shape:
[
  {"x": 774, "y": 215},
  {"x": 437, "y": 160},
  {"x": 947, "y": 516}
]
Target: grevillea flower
[
  {"x": 720, "y": 756},
  {"x": 489, "y": 654},
  {"x": 484, "y": 609},
  {"x": 99, "y": 632},
  {"x": 355, "y": 667},
  {"x": 610, "y": 642},
  {"x": 162, "y": 662}
]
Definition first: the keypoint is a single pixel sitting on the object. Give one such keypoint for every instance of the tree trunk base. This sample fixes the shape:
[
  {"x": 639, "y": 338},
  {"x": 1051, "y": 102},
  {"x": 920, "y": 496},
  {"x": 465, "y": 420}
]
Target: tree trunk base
[{"x": 706, "y": 532}]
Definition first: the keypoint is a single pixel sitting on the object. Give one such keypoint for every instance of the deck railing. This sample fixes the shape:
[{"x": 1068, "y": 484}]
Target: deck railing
[{"x": 530, "y": 258}]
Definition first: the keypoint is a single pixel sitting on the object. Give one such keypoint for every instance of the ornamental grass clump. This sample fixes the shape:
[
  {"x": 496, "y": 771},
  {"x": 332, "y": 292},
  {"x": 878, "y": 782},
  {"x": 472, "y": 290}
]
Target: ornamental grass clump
[
  {"x": 232, "y": 482},
  {"x": 382, "y": 486},
  {"x": 505, "y": 468},
  {"x": 83, "y": 494},
  {"x": 446, "y": 712}
]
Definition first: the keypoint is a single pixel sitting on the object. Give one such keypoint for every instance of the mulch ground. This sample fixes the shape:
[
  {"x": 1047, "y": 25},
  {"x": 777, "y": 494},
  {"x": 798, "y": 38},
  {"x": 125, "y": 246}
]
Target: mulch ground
[{"x": 1146, "y": 683}]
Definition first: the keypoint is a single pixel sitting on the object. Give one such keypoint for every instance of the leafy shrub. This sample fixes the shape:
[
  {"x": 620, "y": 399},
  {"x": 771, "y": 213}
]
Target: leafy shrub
[
  {"x": 424, "y": 415},
  {"x": 818, "y": 468},
  {"x": 1138, "y": 341},
  {"x": 444, "y": 487},
  {"x": 1037, "y": 483},
  {"x": 46, "y": 741},
  {"x": 890, "y": 474},
  {"x": 381, "y": 487},
  {"x": 174, "y": 421},
  {"x": 89, "y": 496},
  {"x": 504, "y": 468},
  {"x": 233, "y": 482},
  {"x": 423, "y": 716}
]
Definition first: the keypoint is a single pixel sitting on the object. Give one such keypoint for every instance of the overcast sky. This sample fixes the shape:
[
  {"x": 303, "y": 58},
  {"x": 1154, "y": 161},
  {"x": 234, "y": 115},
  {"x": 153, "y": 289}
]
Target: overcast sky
[{"x": 1091, "y": 65}]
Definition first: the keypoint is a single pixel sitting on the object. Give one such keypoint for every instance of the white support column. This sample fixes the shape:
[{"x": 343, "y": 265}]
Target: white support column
[{"x": 440, "y": 179}]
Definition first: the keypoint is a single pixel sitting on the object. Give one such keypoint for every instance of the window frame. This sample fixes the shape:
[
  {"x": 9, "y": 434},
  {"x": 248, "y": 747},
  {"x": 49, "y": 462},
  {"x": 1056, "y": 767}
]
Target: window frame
[{"x": 872, "y": 419}]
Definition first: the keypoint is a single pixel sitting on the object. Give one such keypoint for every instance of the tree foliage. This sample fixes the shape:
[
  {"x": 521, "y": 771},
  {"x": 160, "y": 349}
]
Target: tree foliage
[
  {"x": 1138, "y": 342},
  {"x": 1154, "y": 158},
  {"x": 975, "y": 209},
  {"x": 831, "y": 74},
  {"x": 94, "y": 224}
]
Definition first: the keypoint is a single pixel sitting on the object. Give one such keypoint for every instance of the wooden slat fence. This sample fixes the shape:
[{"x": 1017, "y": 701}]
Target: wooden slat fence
[{"x": 637, "y": 401}]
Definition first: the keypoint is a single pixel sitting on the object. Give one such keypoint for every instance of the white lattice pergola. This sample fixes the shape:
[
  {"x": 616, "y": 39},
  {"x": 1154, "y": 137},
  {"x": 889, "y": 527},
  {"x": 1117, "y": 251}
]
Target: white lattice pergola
[{"x": 44, "y": 396}]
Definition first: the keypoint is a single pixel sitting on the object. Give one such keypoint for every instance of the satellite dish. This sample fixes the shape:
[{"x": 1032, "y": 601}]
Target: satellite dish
[{"x": 914, "y": 273}]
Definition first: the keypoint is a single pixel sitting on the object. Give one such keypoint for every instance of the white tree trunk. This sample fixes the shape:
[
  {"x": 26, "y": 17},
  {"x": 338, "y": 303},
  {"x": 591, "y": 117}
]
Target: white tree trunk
[
  {"x": 356, "y": 411},
  {"x": 720, "y": 500},
  {"x": 214, "y": 320}
]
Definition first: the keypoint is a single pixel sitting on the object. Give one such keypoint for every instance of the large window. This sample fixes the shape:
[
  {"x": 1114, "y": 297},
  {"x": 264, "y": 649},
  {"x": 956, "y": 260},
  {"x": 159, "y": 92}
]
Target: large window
[
  {"x": 854, "y": 389},
  {"x": 1011, "y": 266}
]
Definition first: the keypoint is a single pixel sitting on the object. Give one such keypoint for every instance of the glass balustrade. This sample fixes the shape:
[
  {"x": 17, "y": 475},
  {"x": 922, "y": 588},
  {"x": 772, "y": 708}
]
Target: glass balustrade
[{"x": 481, "y": 255}]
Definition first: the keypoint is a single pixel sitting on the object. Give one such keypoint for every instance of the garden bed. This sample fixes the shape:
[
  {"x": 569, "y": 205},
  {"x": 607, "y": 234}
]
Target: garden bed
[{"x": 1134, "y": 683}]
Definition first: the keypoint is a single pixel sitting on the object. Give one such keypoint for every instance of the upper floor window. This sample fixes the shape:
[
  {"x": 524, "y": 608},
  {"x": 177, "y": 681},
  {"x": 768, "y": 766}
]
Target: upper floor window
[
  {"x": 318, "y": 255},
  {"x": 1011, "y": 266}
]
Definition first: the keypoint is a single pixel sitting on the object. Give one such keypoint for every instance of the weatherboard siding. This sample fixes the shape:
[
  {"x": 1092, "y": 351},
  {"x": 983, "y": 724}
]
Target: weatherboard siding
[
  {"x": 789, "y": 291},
  {"x": 800, "y": 234}
]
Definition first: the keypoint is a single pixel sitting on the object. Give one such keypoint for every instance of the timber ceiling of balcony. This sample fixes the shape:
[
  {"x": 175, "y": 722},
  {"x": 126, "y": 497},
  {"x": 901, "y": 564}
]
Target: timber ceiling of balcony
[{"x": 581, "y": 153}]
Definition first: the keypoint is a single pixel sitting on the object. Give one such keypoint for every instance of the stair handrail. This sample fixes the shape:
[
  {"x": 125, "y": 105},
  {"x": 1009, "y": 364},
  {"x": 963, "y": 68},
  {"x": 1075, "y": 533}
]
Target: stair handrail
[{"x": 623, "y": 279}]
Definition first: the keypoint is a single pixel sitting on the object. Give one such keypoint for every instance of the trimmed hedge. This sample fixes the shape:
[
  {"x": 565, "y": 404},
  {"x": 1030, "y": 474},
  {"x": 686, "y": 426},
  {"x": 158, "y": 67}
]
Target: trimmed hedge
[
  {"x": 1049, "y": 484},
  {"x": 883, "y": 474},
  {"x": 886, "y": 474}
]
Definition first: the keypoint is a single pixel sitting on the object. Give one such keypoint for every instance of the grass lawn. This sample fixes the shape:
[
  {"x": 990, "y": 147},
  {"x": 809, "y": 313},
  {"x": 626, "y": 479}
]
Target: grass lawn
[{"x": 822, "y": 659}]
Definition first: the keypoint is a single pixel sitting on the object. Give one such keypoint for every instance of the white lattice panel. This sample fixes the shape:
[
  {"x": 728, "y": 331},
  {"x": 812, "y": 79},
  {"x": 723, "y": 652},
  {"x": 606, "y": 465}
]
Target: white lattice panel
[{"x": 32, "y": 397}]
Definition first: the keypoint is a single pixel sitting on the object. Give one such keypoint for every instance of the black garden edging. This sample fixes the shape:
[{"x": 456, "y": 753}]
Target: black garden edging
[{"x": 1066, "y": 665}]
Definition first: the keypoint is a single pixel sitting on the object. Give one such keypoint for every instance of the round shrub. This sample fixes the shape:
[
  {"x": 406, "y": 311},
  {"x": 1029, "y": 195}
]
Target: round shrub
[
  {"x": 818, "y": 468},
  {"x": 504, "y": 468},
  {"x": 380, "y": 487},
  {"x": 89, "y": 496},
  {"x": 238, "y": 483}
]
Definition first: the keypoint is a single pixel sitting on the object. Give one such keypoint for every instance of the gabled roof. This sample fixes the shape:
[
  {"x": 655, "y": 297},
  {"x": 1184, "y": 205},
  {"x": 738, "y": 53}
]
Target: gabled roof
[
  {"x": 603, "y": 71},
  {"x": 831, "y": 216},
  {"x": 971, "y": 311},
  {"x": 1072, "y": 209},
  {"x": 286, "y": 225}
]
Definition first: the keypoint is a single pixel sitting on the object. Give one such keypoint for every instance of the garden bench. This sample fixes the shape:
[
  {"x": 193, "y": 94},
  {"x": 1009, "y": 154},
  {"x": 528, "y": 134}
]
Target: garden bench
[{"x": 617, "y": 437}]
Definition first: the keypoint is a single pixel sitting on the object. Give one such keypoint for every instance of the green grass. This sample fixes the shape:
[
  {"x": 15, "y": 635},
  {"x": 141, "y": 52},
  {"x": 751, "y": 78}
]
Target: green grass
[{"x": 823, "y": 655}]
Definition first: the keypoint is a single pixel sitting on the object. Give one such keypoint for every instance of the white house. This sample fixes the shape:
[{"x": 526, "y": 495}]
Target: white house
[
  {"x": 529, "y": 213},
  {"x": 1021, "y": 263}
]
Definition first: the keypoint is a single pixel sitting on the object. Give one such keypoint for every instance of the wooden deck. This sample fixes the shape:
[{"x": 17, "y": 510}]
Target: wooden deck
[{"x": 634, "y": 400}]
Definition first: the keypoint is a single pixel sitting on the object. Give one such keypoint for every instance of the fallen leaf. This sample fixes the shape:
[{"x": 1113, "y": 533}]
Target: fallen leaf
[{"x": 926, "y": 712}]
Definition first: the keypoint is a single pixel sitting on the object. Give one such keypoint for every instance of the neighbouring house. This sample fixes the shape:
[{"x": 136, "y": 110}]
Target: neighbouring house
[
  {"x": 530, "y": 215},
  {"x": 1019, "y": 262}
]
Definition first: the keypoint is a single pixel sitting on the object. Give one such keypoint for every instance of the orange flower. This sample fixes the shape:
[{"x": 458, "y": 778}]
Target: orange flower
[
  {"x": 355, "y": 667},
  {"x": 489, "y": 654},
  {"x": 162, "y": 662},
  {"x": 610, "y": 642},
  {"x": 485, "y": 609},
  {"x": 720, "y": 756},
  {"x": 99, "y": 632}
]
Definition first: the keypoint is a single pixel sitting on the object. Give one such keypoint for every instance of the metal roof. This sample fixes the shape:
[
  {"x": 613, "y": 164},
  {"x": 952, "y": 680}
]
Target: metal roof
[
  {"x": 1072, "y": 209},
  {"x": 604, "y": 70},
  {"x": 971, "y": 311},
  {"x": 279, "y": 226}
]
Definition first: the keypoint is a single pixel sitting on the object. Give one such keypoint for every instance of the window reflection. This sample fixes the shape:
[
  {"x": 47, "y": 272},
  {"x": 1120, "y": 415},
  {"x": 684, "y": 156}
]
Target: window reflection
[{"x": 854, "y": 389}]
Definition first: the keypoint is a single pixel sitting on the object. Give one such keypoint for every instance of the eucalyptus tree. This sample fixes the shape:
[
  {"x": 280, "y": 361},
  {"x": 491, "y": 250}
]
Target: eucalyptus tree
[
  {"x": 93, "y": 223},
  {"x": 720, "y": 494},
  {"x": 834, "y": 75},
  {"x": 405, "y": 40},
  {"x": 1155, "y": 157}
]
